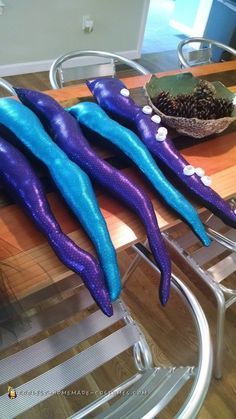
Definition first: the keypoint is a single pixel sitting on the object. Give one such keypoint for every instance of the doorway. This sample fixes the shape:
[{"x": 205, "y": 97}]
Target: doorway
[{"x": 159, "y": 36}]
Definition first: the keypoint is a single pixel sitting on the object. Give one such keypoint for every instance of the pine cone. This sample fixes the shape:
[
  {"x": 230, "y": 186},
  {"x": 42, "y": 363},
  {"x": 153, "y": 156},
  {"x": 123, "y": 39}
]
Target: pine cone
[
  {"x": 185, "y": 105},
  {"x": 202, "y": 103},
  {"x": 223, "y": 107},
  {"x": 166, "y": 103},
  {"x": 161, "y": 99},
  {"x": 203, "y": 108},
  {"x": 204, "y": 90}
]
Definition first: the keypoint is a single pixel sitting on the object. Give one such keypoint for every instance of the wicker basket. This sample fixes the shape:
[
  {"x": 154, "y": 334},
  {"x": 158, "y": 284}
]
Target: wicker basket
[{"x": 185, "y": 83}]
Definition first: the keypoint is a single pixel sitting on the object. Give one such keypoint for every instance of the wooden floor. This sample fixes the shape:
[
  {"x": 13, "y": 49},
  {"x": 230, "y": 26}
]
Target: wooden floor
[{"x": 169, "y": 330}]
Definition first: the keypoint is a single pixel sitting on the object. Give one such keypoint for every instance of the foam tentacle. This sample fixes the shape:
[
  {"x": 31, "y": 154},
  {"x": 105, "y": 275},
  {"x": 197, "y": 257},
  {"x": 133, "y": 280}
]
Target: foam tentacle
[
  {"x": 93, "y": 117},
  {"x": 126, "y": 111},
  {"x": 73, "y": 183},
  {"x": 20, "y": 179},
  {"x": 71, "y": 139}
]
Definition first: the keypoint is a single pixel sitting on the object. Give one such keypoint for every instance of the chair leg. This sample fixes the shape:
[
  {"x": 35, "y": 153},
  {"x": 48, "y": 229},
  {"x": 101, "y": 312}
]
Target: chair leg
[
  {"x": 204, "y": 367},
  {"x": 220, "y": 323},
  {"x": 221, "y": 307},
  {"x": 133, "y": 265}
]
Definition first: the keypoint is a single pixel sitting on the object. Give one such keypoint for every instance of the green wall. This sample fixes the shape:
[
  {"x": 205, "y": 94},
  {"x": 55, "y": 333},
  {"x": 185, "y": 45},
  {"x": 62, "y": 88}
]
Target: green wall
[{"x": 33, "y": 30}]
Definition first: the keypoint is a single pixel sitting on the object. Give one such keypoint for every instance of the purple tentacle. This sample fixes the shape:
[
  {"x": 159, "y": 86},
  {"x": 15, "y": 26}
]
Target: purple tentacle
[
  {"x": 75, "y": 145},
  {"x": 22, "y": 182},
  {"x": 126, "y": 111}
]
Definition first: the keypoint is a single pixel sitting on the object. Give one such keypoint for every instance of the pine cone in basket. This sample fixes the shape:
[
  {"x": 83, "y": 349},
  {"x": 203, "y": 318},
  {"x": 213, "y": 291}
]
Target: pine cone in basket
[
  {"x": 201, "y": 104},
  {"x": 188, "y": 106},
  {"x": 223, "y": 107},
  {"x": 203, "y": 108},
  {"x": 166, "y": 103},
  {"x": 204, "y": 90}
]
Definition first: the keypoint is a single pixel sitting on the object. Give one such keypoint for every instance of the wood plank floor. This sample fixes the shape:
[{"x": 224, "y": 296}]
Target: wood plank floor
[{"x": 168, "y": 330}]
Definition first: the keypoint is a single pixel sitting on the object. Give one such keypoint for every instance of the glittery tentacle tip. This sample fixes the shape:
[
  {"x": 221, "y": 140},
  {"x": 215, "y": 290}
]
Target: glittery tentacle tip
[
  {"x": 107, "y": 309},
  {"x": 20, "y": 91},
  {"x": 115, "y": 293},
  {"x": 164, "y": 290},
  {"x": 206, "y": 240},
  {"x": 91, "y": 84},
  {"x": 164, "y": 296}
]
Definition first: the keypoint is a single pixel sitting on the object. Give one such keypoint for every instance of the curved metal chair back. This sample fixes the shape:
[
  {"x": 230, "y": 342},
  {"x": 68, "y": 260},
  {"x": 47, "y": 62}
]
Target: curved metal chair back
[
  {"x": 7, "y": 86},
  {"x": 57, "y": 70},
  {"x": 202, "y": 55}
]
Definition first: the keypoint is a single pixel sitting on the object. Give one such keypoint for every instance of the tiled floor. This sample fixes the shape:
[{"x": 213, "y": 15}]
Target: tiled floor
[{"x": 159, "y": 36}]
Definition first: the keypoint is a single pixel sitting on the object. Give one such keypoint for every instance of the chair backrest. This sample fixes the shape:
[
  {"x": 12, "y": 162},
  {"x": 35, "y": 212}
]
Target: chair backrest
[
  {"x": 201, "y": 56},
  {"x": 7, "y": 86},
  {"x": 57, "y": 71}
]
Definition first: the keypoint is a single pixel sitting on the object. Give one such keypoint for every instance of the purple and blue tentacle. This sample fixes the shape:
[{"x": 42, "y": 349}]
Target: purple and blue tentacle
[
  {"x": 108, "y": 93},
  {"x": 92, "y": 116},
  {"x": 65, "y": 131},
  {"x": 73, "y": 183},
  {"x": 20, "y": 179}
]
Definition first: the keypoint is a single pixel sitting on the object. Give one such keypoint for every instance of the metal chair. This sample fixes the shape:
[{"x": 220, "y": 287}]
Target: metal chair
[
  {"x": 203, "y": 55},
  {"x": 67, "y": 74},
  {"x": 214, "y": 266},
  {"x": 142, "y": 395},
  {"x": 211, "y": 270}
]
